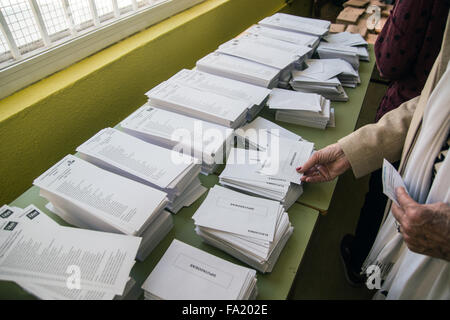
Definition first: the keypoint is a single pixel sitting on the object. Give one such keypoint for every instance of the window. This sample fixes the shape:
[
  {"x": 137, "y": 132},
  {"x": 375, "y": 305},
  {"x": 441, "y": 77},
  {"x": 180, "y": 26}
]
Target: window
[{"x": 40, "y": 37}]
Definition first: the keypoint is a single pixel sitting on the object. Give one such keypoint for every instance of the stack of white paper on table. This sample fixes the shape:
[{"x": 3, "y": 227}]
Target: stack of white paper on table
[
  {"x": 254, "y": 230},
  {"x": 284, "y": 35},
  {"x": 239, "y": 69},
  {"x": 242, "y": 173},
  {"x": 260, "y": 133},
  {"x": 352, "y": 55},
  {"x": 89, "y": 197},
  {"x": 289, "y": 22},
  {"x": 202, "y": 140},
  {"x": 350, "y": 40},
  {"x": 326, "y": 69},
  {"x": 169, "y": 171},
  {"x": 268, "y": 52},
  {"x": 199, "y": 104},
  {"x": 60, "y": 263},
  {"x": 255, "y": 96},
  {"x": 307, "y": 109},
  {"x": 188, "y": 273},
  {"x": 330, "y": 89}
]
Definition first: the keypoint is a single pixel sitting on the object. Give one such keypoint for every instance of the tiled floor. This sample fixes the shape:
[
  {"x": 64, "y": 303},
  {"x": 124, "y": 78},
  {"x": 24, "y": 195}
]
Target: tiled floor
[{"x": 321, "y": 273}]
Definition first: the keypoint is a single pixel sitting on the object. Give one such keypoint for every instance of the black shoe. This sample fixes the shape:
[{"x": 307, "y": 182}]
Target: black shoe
[{"x": 354, "y": 278}]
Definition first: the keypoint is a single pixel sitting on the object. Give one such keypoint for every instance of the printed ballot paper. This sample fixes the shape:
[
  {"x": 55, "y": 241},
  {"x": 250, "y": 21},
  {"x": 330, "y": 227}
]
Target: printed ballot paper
[
  {"x": 391, "y": 181},
  {"x": 188, "y": 273},
  {"x": 39, "y": 220},
  {"x": 102, "y": 261}
]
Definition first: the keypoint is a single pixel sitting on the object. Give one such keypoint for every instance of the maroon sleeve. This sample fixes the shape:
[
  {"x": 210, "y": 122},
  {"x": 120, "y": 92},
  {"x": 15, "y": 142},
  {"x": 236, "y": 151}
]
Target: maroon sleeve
[{"x": 402, "y": 37}]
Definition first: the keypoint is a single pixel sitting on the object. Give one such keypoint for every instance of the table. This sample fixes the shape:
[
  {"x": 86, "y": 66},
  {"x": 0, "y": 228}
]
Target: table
[{"x": 303, "y": 214}]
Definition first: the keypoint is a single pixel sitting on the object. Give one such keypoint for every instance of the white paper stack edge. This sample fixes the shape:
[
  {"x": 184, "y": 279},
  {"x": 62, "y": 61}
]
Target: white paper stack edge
[
  {"x": 293, "y": 23},
  {"x": 288, "y": 36},
  {"x": 188, "y": 273},
  {"x": 199, "y": 104},
  {"x": 351, "y": 40},
  {"x": 203, "y": 140},
  {"x": 255, "y": 96},
  {"x": 35, "y": 219},
  {"x": 268, "y": 52},
  {"x": 352, "y": 55},
  {"x": 307, "y": 109},
  {"x": 258, "y": 134},
  {"x": 242, "y": 173},
  {"x": 330, "y": 89},
  {"x": 89, "y": 197},
  {"x": 252, "y": 229},
  {"x": 157, "y": 167}
]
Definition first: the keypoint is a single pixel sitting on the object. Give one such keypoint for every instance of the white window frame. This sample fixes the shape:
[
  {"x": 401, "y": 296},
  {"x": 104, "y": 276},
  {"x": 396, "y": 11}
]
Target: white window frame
[{"x": 63, "y": 53}]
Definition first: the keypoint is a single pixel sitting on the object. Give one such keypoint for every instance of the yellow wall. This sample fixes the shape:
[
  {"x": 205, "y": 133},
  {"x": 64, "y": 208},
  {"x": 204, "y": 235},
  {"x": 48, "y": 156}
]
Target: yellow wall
[{"x": 49, "y": 119}]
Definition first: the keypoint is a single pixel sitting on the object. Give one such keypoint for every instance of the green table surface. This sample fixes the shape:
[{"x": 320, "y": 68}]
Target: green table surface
[
  {"x": 303, "y": 214},
  {"x": 319, "y": 196},
  {"x": 272, "y": 286}
]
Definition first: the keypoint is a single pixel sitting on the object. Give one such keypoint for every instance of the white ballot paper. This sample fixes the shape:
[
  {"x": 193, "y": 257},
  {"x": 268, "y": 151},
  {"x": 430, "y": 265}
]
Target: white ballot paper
[
  {"x": 188, "y": 273},
  {"x": 102, "y": 261},
  {"x": 391, "y": 181},
  {"x": 284, "y": 160}
]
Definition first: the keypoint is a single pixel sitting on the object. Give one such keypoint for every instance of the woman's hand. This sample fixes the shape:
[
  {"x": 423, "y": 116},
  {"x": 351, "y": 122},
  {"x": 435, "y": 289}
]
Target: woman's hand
[{"x": 325, "y": 165}]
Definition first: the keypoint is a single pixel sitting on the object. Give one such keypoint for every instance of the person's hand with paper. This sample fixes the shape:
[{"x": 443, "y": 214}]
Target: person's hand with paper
[
  {"x": 424, "y": 226},
  {"x": 325, "y": 165}
]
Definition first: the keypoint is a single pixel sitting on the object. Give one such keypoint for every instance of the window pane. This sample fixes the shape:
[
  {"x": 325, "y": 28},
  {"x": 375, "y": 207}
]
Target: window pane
[
  {"x": 53, "y": 15},
  {"x": 4, "y": 49},
  {"x": 104, "y": 7},
  {"x": 19, "y": 17},
  {"x": 81, "y": 13}
]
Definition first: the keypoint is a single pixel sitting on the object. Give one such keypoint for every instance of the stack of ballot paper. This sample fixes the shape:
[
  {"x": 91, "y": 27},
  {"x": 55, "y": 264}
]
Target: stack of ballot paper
[
  {"x": 259, "y": 134},
  {"x": 169, "y": 171},
  {"x": 307, "y": 109},
  {"x": 239, "y": 69},
  {"x": 326, "y": 69},
  {"x": 267, "y": 51},
  {"x": 289, "y": 22},
  {"x": 284, "y": 35},
  {"x": 242, "y": 173},
  {"x": 60, "y": 263},
  {"x": 330, "y": 89},
  {"x": 202, "y": 140},
  {"x": 199, "y": 104},
  {"x": 255, "y": 96},
  {"x": 336, "y": 51},
  {"x": 188, "y": 273},
  {"x": 89, "y": 197},
  {"x": 254, "y": 230},
  {"x": 350, "y": 40}
]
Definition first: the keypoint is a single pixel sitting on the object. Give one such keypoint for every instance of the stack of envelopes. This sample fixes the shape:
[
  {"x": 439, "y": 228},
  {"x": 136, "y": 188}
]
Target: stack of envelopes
[
  {"x": 203, "y": 140},
  {"x": 199, "y": 104},
  {"x": 252, "y": 229},
  {"x": 255, "y": 96},
  {"x": 293, "y": 23},
  {"x": 188, "y": 273},
  {"x": 89, "y": 197},
  {"x": 306, "y": 109},
  {"x": 350, "y": 40},
  {"x": 175, "y": 174}
]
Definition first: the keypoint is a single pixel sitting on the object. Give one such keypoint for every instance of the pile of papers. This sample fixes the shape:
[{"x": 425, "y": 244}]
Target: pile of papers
[
  {"x": 254, "y": 96},
  {"x": 330, "y": 89},
  {"x": 267, "y": 51},
  {"x": 348, "y": 39},
  {"x": 88, "y": 197},
  {"x": 188, "y": 273},
  {"x": 202, "y": 140},
  {"x": 169, "y": 171},
  {"x": 284, "y": 35},
  {"x": 336, "y": 51},
  {"x": 243, "y": 173},
  {"x": 293, "y": 23},
  {"x": 254, "y": 230},
  {"x": 326, "y": 69},
  {"x": 199, "y": 104},
  {"x": 239, "y": 69},
  {"x": 60, "y": 263},
  {"x": 306, "y": 109},
  {"x": 259, "y": 134}
]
